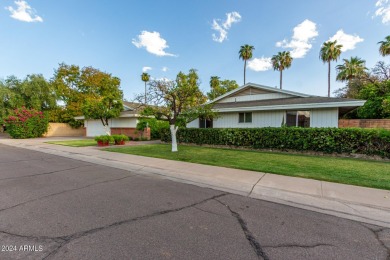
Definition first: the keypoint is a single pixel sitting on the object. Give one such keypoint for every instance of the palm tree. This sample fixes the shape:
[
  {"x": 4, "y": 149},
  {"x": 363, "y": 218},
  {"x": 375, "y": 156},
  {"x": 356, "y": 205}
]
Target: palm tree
[
  {"x": 351, "y": 69},
  {"x": 245, "y": 54},
  {"x": 384, "y": 48},
  {"x": 145, "y": 78},
  {"x": 330, "y": 51},
  {"x": 280, "y": 62}
]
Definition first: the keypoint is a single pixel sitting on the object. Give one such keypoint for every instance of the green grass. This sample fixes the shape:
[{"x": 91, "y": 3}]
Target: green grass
[
  {"x": 368, "y": 173},
  {"x": 75, "y": 143}
]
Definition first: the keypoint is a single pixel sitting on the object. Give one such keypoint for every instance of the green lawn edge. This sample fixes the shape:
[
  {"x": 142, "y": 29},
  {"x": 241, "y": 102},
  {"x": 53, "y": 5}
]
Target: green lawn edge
[
  {"x": 359, "y": 172},
  {"x": 74, "y": 143}
]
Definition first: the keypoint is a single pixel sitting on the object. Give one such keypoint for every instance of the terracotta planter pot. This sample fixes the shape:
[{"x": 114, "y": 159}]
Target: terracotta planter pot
[
  {"x": 120, "y": 142},
  {"x": 101, "y": 143}
]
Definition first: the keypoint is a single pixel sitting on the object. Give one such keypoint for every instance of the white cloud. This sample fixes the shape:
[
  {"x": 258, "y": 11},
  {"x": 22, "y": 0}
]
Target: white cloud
[
  {"x": 383, "y": 10},
  {"x": 145, "y": 69},
  {"x": 24, "y": 12},
  {"x": 348, "y": 41},
  {"x": 260, "y": 64},
  {"x": 222, "y": 27},
  {"x": 152, "y": 42},
  {"x": 300, "y": 44},
  {"x": 164, "y": 69}
]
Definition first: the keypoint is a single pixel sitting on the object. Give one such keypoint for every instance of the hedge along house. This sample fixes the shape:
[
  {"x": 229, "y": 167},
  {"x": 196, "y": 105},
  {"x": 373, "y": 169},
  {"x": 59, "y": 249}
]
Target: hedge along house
[
  {"x": 254, "y": 105},
  {"x": 125, "y": 124}
]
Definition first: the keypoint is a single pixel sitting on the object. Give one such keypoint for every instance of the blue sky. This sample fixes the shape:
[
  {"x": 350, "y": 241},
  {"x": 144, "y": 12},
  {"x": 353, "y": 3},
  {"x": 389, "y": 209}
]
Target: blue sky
[{"x": 126, "y": 37}]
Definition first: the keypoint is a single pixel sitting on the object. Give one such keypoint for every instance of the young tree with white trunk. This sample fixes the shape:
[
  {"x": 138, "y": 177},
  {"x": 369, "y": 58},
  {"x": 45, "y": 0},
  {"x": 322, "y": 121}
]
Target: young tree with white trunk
[{"x": 177, "y": 101}]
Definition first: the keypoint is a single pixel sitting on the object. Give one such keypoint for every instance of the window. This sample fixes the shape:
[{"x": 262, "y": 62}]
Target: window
[
  {"x": 205, "y": 123},
  {"x": 298, "y": 118},
  {"x": 245, "y": 118}
]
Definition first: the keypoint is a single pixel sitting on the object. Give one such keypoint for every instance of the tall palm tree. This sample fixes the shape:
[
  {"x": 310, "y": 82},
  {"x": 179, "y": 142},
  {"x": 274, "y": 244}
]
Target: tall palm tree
[
  {"x": 280, "y": 62},
  {"x": 384, "y": 48},
  {"x": 351, "y": 69},
  {"x": 145, "y": 78},
  {"x": 245, "y": 54},
  {"x": 330, "y": 51}
]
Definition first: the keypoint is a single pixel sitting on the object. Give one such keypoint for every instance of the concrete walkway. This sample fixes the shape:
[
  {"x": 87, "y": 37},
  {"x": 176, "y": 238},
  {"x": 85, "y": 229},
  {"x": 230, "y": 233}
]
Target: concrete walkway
[{"x": 346, "y": 201}]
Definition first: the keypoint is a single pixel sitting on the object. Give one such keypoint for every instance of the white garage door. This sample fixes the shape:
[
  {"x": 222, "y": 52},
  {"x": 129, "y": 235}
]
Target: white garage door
[{"x": 94, "y": 128}]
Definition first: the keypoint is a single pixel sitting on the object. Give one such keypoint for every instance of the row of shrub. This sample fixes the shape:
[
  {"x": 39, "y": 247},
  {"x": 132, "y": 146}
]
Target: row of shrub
[
  {"x": 117, "y": 139},
  {"x": 26, "y": 123},
  {"x": 327, "y": 140}
]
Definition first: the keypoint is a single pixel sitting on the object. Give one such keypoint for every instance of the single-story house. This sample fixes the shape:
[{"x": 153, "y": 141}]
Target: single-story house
[
  {"x": 125, "y": 124},
  {"x": 254, "y": 105}
]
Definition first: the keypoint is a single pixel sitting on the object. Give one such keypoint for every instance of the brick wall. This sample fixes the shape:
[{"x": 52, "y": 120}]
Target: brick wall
[
  {"x": 132, "y": 132},
  {"x": 365, "y": 123}
]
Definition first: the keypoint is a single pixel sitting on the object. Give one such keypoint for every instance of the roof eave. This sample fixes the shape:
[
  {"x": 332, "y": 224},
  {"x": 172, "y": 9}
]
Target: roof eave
[{"x": 294, "y": 106}]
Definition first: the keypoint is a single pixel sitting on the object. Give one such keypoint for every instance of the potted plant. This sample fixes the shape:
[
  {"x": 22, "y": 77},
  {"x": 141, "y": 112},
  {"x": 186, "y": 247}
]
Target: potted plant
[
  {"x": 120, "y": 139},
  {"x": 104, "y": 140}
]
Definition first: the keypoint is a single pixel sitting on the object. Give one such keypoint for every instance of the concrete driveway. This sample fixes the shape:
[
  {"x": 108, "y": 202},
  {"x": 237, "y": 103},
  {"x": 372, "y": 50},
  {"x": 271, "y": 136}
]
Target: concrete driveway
[{"x": 53, "y": 207}]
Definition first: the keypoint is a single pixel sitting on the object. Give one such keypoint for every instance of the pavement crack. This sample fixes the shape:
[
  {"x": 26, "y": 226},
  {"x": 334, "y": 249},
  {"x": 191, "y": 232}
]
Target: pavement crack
[
  {"x": 68, "y": 239},
  {"x": 66, "y": 191},
  {"x": 249, "y": 236},
  {"x": 46, "y": 173},
  {"x": 254, "y": 185}
]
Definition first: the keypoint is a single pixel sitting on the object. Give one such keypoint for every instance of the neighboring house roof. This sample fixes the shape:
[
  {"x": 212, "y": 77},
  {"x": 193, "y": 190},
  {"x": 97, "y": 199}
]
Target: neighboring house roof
[{"x": 130, "y": 109}]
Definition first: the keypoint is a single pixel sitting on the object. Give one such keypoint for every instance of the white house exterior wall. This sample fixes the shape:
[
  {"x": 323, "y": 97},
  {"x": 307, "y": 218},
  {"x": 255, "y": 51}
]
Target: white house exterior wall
[
  {"x": 95, "y": 127},
  {"x": 193, "y": 124},
  {"x": 259, "y": 119},
  {"x": 318, "y": 118},
  {"x": 324, "y": 117},
  {"x": 124, "y": 122}
]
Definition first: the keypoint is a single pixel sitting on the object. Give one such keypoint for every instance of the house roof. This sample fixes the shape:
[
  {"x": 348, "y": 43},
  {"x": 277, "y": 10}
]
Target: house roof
[
  {"x": 290, "y": 103},
  {"x": 261, "y": 87},
  {"x": 130, "y": 109}
]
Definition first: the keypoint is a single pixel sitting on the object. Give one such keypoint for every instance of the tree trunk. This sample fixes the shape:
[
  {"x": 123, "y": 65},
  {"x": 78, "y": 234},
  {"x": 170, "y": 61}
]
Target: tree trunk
[
  {"x": 328, "y": 78},
  {"x": 107, "y": 129},
  {"x": 281, "y": 76},
  {"x": 106, "y": 126},
  {"x": 244, "y": 70},
  {"x": 145, "y": 92},
  {"x": 173, "y": 136}
]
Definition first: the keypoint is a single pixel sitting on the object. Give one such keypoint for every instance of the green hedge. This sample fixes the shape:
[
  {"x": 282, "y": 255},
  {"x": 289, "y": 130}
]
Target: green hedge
[{"x": 327, "y": 140}]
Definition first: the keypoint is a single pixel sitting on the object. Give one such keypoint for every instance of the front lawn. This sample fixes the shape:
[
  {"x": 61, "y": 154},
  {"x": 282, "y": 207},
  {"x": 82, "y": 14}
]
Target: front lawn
[
  {"x": 75, "y": 143},
  {"x": 366, "y": 173}
]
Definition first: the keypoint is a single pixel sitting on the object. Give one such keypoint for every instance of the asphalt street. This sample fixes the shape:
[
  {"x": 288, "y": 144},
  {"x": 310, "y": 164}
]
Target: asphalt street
[{"x": 53, "y": 207}]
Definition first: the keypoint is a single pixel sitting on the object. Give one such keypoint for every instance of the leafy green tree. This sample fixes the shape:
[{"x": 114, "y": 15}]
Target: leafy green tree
[
  {"x": 177, "y": 100},
  {"x": 66, "y": 82},
  {"x": 351, "y": 69},
  {"x": 246, "y": 53},
  {"x": 330, "y": 51},
  {"x": 87, "y": 91},
  {"x": 220, "y": 87},
  {"x": 378, "y": 100},
  {"x": 384, "y": 48},
  {"x": 145, "y": 77},
  {"x": 280, "y": 62},
  {"x": 104, "y": 96},
  {"x": 33, "y": 92}
]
